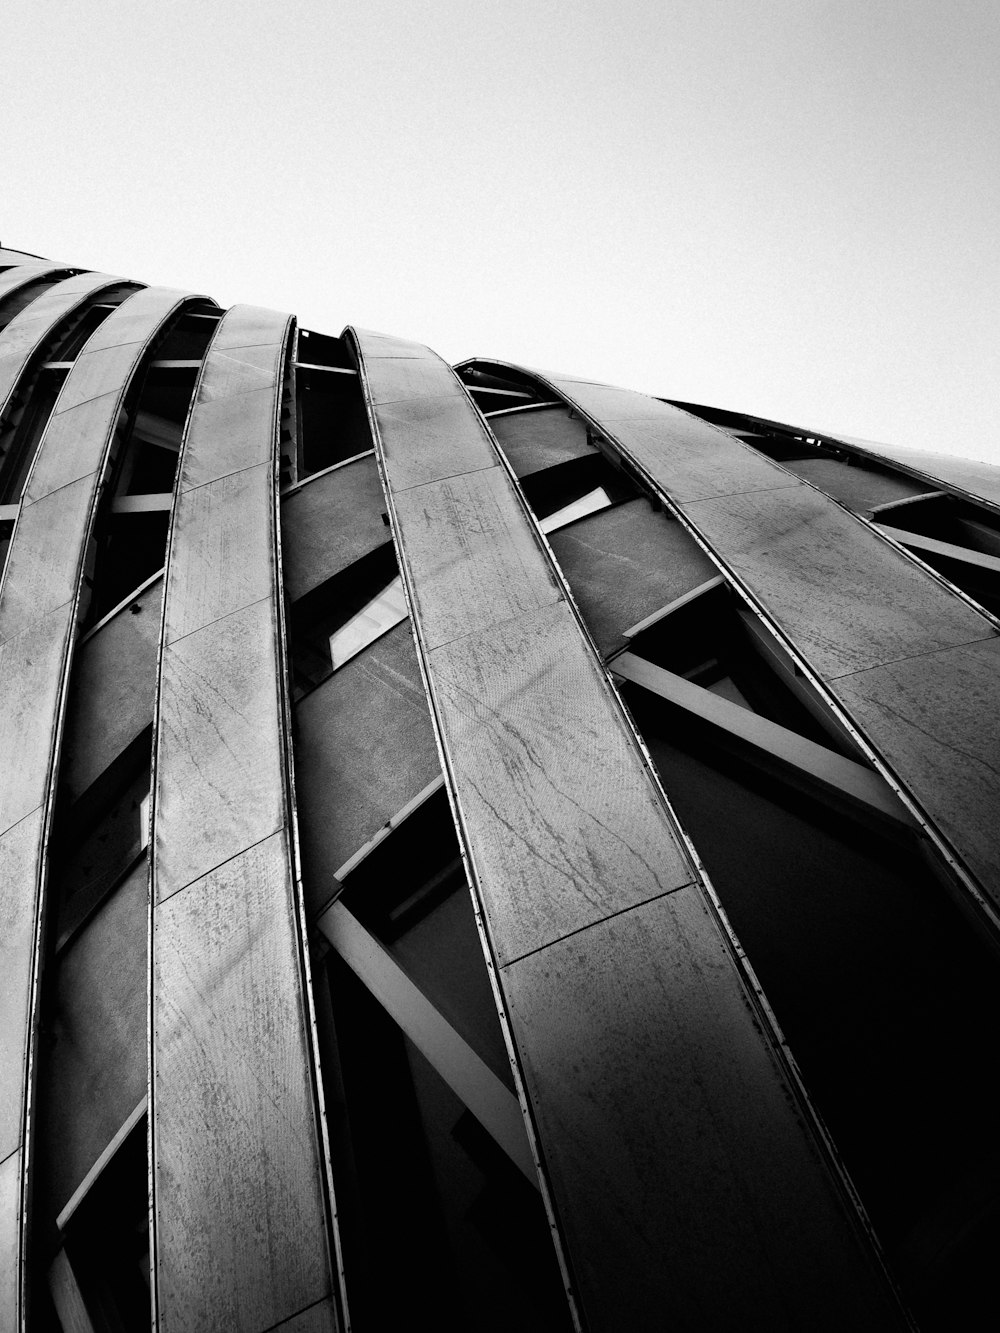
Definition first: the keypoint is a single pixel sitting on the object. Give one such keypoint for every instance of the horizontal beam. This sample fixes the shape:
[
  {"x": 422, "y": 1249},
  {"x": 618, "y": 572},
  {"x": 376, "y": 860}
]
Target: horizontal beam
[
  {"x": 813, "y": 761},
  {"x": 498, "y": 393},
  {"x": 142, "y": 504},
  {"x": 906, "y": 500},
  {"x": 528, "y": 407},
  {"x": 327, "y": 370},
  {"x": 953, "y": 552}
]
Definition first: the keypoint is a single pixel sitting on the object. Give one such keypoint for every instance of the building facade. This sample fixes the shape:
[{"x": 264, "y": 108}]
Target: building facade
[{"x": 479, "y": 848}]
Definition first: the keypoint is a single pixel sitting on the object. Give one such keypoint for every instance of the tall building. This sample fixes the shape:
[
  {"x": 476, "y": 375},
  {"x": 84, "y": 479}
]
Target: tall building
[{"x": 479, "y": 849}]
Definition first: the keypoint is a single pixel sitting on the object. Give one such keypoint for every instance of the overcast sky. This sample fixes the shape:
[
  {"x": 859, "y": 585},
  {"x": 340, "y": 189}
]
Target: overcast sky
[{"x": 786, "y": 207}]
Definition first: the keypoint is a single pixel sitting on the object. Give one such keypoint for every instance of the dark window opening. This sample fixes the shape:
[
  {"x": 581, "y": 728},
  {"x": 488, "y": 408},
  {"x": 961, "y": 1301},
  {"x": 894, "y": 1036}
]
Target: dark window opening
[
  {"x": 332, "y": 421},
  {"x": 99, "y": 838},
  {"x": 20, "y": 299},
  {"x": 947, "y": 519},
  {"x": 475, "y": 376},
  {"x": 149, "y": 459},
  {"x": 23, "y": 431},
  {"x": 289, "y": 432},
  {"x": 89, "y": 320},
  {"x": 707, "y": 642},
  {"x": 91, "y": 1056},
  {"x": 316, "y": 617},
  {"x": 781, "y": 447},
  {"x": 128, "y": 550},
  {"x": 766, "y": 434},
  {"x": 412, "y": 894},
  {"x": 146, "y": 458},
  {"x": 107, "y": 1242},
  {"x": 6, "y": 532},
  {"x": 189, "y": 335},
  {"x": 320, "y": 349},
  {"x": 33, "y": 402},
  {"x": 555, "y": 488},
  {"x": 423, "y": 1188},
  {"x": 154, "y": 462},
  {"x": 497, "y": 389},
  {"x": 884, "y": 992}
]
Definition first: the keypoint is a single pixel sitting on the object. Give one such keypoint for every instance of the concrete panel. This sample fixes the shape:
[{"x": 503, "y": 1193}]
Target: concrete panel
[
  {"x": 28, "y": 330},
  {"x": 428, "y": 426},
  {"x": 13, "y": 279},
  {"x": 237, "y": 1193},
  {"x": 625, "y": 563},
  {"x": 478, "y": 560},
  {"x": 539, "y": 439},
  {"x": 239, "y": 1235},
  {"x": 43, "y": 562},
  {"x": 379, "y": 345},
  {"x": 690, "y": 459},
  {"x": 845, "y": 597},
  {"x": 31, "y": 665},
  {"x": 564, "y": 825},
  {"x": 209, "y": 572},
  {"x": 432, "y": 426},
  {"x": 936, "y": 719},
  {"x": 652, "y": 1090},
  {"x": 235, "y": 401},
  {"x": 19, "y": 850},
  {"x": 10, "y": 1200},
  {"x": 330, "y": 522},
  {"x": 218, "y": 748}
]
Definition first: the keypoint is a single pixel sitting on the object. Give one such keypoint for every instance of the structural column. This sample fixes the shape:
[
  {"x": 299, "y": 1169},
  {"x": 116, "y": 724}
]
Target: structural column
[
  {"x": 683, "y": 1180},
  {"x": 240, "y": 1232}
]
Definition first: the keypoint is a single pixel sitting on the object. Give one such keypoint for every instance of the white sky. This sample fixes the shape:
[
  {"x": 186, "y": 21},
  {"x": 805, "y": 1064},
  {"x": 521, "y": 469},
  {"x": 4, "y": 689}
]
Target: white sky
[{"x": 786, "y": 207}]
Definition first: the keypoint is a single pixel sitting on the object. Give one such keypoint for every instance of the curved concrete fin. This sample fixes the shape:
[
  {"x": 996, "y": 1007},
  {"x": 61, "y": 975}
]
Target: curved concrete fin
[{"x": 657, "y": 1099}]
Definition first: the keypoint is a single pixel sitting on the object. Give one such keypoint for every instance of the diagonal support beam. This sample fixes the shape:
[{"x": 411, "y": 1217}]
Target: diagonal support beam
[{"x": 465, "y": 1072}]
